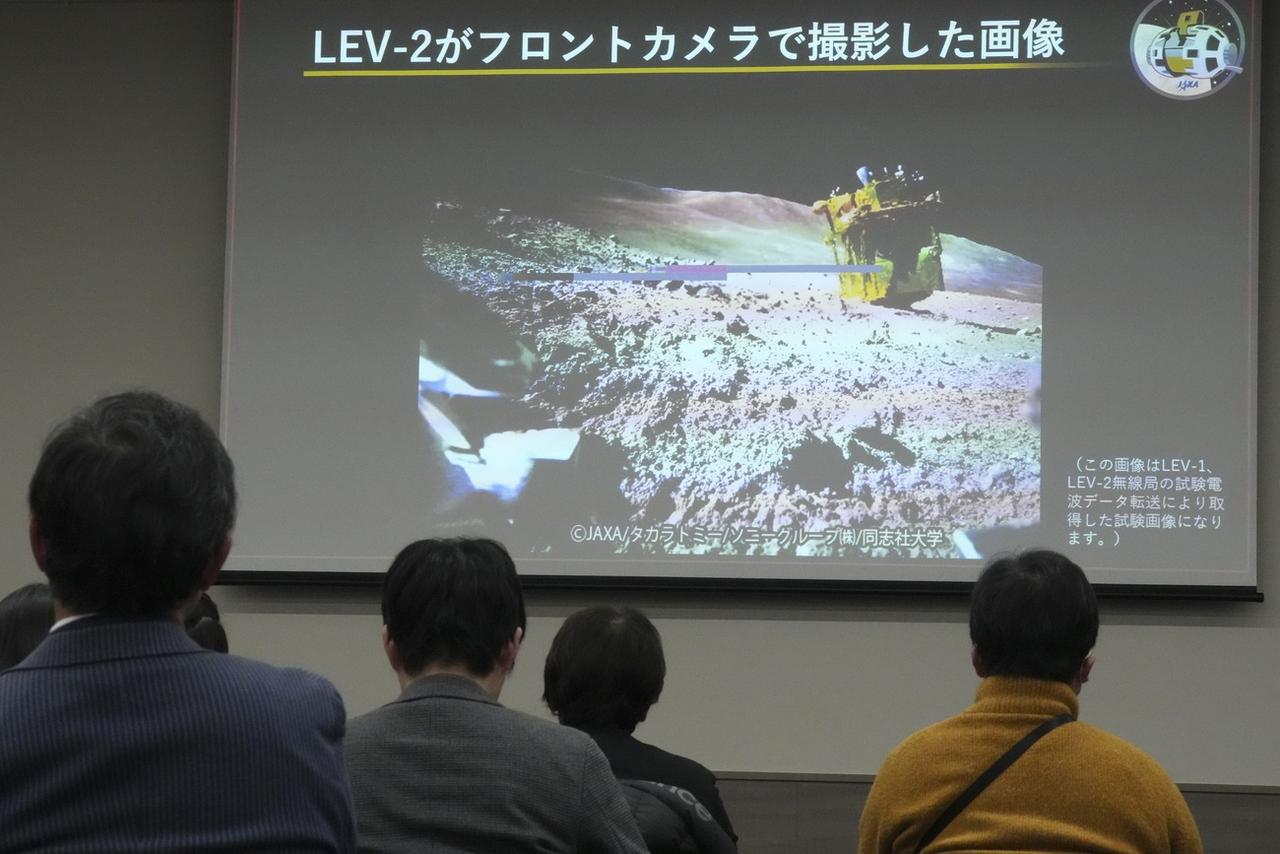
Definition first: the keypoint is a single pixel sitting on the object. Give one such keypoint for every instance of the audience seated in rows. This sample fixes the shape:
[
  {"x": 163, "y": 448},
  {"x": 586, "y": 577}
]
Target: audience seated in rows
[
  {"x": 121, "y": 733},
  {"x": 1033, "y": 622},
  {"x": 603, "y": 673},
  {"x": 26, "y": 615},
  {"x": 445, "y": 767}
]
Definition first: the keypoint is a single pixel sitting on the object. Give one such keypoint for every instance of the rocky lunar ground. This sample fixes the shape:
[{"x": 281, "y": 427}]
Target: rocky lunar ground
[{"x": 766, "y": 400}]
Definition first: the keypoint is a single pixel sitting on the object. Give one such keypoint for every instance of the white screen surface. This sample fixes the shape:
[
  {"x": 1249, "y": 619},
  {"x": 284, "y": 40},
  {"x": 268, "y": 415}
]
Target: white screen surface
[{"x": 611, "y": 289}]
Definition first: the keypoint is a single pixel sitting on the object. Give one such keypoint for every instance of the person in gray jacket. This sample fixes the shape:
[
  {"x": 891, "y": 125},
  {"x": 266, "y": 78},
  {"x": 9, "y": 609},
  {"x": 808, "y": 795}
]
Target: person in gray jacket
[{"x": 445, "y": 767}]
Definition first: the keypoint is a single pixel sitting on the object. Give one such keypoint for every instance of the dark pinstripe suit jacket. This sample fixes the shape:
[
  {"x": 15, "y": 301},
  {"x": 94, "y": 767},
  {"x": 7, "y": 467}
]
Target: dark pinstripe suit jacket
[
  {"x": 445, "y": 768},
  {"x": 124, "y": 735}
]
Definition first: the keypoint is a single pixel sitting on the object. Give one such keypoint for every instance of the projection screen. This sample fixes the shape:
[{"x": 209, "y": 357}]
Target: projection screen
[{"x": 811, "y": 294}]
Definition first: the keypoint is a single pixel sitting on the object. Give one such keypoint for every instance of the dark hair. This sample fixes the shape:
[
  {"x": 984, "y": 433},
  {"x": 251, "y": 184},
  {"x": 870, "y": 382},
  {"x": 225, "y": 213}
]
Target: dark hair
[
  {"x": 26, "y": 615},
  {"x": 204, "y": 625},
  {"x": 605, "y": 668},
  {"x": 454, "y": 601},
  {"x": 1034, "y": 614},
  {"x": 133, "y": 496}
]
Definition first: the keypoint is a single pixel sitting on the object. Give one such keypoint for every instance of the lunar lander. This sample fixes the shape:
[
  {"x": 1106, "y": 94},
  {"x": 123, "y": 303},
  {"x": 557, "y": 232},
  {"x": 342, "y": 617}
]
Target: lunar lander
[{"x": 888, "y": 223}]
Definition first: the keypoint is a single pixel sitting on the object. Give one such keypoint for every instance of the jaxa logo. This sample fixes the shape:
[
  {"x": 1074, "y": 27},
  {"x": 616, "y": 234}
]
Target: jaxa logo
[{"x": 1187, "y": 48}]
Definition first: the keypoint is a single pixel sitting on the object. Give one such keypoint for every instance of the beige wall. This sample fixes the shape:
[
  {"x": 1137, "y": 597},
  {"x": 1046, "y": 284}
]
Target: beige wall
[{"x": 114, "y": 150}]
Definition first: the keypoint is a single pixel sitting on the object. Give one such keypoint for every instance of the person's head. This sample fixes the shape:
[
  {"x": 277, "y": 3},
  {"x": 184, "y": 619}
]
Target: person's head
[
  {"x": 605, "y": 669},
  {"x": 26, "y": 616},
  {"x": 452, "y": 603},
  {"x": 204, "y": 625},
  {"x": 1034, "y": 614},
  {"x": 132, "y": 504}
]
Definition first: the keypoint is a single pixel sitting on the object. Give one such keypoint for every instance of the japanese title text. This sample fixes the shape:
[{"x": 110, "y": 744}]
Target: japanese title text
[{"x": 820, "y": 42}]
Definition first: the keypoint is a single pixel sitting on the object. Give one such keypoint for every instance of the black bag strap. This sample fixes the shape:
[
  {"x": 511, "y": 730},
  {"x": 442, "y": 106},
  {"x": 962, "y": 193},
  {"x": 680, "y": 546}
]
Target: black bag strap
[{"x": 988, "y": 777}]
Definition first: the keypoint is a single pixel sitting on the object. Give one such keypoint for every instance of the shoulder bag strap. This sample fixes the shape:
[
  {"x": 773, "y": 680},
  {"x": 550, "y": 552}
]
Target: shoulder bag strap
[{"x": 997, "y": 768}]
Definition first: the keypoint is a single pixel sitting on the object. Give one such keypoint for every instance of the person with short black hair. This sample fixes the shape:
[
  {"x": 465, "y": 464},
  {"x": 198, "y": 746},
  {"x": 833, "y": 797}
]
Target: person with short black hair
[
  {"x": 604, "y": 672},
  {"x": 26, "y": 615},
  {"x": 456, "y": 602},
  {"x": 606, "y": 669},
  {"x": 445, "y": 766},
  {"x": 121, "y": 733},
  {"x": 131, "y": 505},
  {"x": 1034, "y": 615},
  {"x": 1017, "y": 771}
]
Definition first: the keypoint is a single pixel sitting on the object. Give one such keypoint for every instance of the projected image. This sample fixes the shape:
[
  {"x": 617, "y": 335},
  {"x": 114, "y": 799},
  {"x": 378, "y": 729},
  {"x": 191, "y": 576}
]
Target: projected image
[
  {"x": 642, "y": 370},
  {"x": 777, "y": 295}
]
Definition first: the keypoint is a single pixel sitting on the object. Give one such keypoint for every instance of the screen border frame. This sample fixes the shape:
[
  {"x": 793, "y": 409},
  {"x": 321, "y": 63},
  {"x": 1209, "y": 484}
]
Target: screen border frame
[{"x": 786, "y": 587}]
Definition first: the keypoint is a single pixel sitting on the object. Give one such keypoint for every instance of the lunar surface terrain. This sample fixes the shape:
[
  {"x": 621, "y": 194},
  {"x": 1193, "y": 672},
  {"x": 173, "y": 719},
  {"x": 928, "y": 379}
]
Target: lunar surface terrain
[{"x": 764, "y": 401}]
